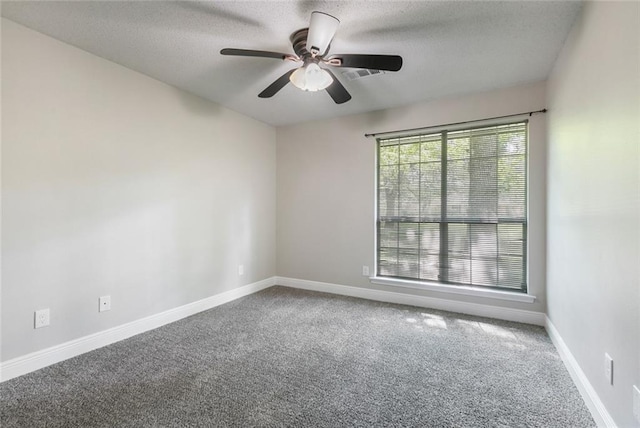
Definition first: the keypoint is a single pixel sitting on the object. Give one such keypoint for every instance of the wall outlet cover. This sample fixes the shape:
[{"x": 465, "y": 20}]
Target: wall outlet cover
[
  {"x": 41, "y": 318},
  {"x": 608, "y": 368},
  {"x": 365, "y": 270},
  {"x": 636, "y": 403}
]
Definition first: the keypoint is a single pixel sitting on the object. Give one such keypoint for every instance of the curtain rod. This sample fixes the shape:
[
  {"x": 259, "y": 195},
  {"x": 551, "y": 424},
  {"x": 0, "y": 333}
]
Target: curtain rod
[{"x": 530, "y": 113}]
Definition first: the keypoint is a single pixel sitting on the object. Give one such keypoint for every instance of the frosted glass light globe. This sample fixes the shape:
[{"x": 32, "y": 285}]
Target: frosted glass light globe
[{"x": 311, "y": 78}]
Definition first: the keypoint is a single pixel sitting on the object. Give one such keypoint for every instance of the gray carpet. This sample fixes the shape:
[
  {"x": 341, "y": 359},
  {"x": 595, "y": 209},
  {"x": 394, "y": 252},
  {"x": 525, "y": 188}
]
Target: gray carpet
[{"x": 285, "y": 357}]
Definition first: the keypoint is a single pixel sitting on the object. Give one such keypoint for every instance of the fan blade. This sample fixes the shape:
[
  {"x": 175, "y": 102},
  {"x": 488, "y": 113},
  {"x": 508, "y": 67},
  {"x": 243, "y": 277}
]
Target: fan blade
[
  {"x": 322, "y": 28},
  {"x": 248, "y": 52},
  {"x": 372, "y": 62},
  {"x": 337, "y": 91},
  {"x": 280, "y": 83}
]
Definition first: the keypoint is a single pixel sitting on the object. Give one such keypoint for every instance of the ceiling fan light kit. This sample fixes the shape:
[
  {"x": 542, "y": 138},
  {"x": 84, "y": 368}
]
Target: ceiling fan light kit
[
  {"x": 311, "y": 78},
  {"x": 311, "y": 45}
]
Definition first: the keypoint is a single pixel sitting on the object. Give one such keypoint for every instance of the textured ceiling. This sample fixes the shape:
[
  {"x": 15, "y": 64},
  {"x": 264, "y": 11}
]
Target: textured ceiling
[{"x": 449, "y": 47}]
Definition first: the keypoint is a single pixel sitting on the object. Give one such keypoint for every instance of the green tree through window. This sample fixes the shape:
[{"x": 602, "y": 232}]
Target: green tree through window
[{"x": 452, "y": 207}]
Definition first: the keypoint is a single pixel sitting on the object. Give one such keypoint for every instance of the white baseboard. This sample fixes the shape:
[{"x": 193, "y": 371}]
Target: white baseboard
[
  {"x": 599, "y": 412},
  {"x": 40, "y": 359},
  {"x": 37, "y": 360},
  {"x": 508, "y": 314}
]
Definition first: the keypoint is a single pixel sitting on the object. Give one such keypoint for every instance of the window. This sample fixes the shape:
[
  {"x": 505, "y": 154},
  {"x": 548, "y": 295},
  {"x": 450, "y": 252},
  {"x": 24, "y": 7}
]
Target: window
[{"x": 452, "y": 207}]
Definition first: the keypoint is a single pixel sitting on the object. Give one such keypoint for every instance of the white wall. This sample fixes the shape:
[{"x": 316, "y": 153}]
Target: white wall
[
  {"x": 116, "y": 184},
  {"x": 593, "y": 211},
  {"x": 326, "y": 178}
]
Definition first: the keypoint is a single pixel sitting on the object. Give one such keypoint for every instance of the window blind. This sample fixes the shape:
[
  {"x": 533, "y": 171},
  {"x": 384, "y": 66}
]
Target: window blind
[{"x": 452, "y": 207}]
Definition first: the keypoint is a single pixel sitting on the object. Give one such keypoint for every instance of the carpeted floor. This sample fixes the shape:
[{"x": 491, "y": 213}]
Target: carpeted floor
[{"x": 286, "y": 357}]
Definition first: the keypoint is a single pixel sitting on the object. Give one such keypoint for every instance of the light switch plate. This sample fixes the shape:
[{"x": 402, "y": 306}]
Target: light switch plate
[{"x": 104, "y": 303}]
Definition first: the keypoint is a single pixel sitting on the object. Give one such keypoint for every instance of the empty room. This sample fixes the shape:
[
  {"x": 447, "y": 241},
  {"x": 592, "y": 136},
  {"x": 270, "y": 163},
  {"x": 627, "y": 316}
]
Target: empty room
[{"x": 320, "y": 213}]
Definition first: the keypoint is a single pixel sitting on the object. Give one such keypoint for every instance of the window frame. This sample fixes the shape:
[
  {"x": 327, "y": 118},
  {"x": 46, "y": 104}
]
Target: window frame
[{"x": 505, "y": 293}]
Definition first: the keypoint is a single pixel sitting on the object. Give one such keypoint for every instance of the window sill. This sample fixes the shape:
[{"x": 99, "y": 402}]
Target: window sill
[{"x": 455, "y": 289}]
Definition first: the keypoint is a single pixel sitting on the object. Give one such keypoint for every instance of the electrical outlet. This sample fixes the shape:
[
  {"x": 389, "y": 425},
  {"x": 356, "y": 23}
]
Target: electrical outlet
[
  {"x": 365, "y": 270},
  {"x": 608, "y": 368},
  {"x": 240, "y": 270},
  {"x": 104, "y": 303},
  {"x": 41, "y": 318},
  {"x": 636, "y": 403}
]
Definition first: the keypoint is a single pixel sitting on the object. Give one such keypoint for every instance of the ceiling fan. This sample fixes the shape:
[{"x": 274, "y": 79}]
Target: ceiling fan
[{"x": 311, "y": 46}]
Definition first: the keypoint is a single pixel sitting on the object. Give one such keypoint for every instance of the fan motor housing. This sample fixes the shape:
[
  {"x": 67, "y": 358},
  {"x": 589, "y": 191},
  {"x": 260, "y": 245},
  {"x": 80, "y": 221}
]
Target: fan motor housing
[{"x": 299, "y": 42}]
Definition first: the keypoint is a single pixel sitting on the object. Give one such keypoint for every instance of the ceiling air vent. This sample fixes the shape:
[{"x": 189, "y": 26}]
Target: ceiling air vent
[{"x": 358, "y": 74}]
